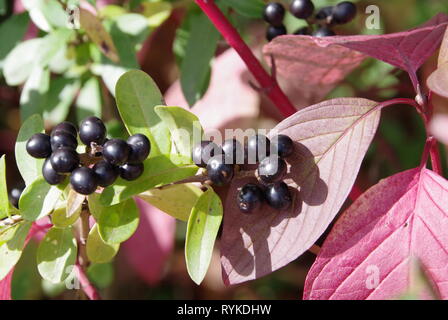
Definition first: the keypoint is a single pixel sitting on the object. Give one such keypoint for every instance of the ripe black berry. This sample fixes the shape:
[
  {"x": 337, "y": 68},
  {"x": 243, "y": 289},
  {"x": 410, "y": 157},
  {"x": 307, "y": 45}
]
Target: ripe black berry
[
  {"x": 92, "y": 129},
  {"x": 250, "y": 198},
  {"x": 272, "y": 169},
  {"x": 258, "y": 147},
  {"x": 233, "y": 151},
  {"x": 273, "y": 32},
  {"x": 38, "y": 146},
  {"x": 65, "y": 127},
  {"x": 130, "y": 171},
  {"x": 344, "y": 12},
  {"x": 106, "y": 173},
  {"x": 302, "y": 9},
  {"x": 64, "y": 160},
  {"x": 324, "y": 13},
  {"x": 50, "y": 175},
  {"x": 14, "y": 196},
  {"x": 283, "y": 145},
  {"x": 278, "y": 196},
  {"x": 84, "y": 181},
  {"x": 140, "y": 148},
  {"x": 62, "y": 139},
  {"x": 323, "y": 32},
  {"x": 274, "y": 13},
  {"x": 203, "y": 151},
  {"x": 302, "y": 32},
  {"x": 218, "y": 171},
  {"x": 116, "y": 151}
]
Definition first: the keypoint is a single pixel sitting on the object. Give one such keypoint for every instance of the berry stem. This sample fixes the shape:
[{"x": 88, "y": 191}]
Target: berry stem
[{"x": 267, "y": 82}]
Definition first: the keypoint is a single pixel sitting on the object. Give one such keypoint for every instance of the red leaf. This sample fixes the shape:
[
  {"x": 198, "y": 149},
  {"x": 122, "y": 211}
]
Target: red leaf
[
  {"x": 331, "y": 139},
  {"x": 402, "y": 217},
  {"x": 5, "y": 287}
]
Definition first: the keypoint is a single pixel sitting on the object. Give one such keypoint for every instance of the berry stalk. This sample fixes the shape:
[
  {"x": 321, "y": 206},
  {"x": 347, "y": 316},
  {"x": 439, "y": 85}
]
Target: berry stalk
[{"x": 267, "y": 83}]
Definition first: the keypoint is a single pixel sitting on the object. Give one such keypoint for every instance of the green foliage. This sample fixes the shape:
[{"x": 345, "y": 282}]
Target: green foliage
[
  {"x": 248, "y": 8},
  {"x": 33, "y": 97},
  {"x": 101, "y": 274},
  {"x": 4, "y": 201},
  {"x": 61, "y": 94},
  {"x": 88, "y": 102},
  {"x": 99, "y": 251},
  {"x": 119, "y": 222},
  {"x": 11, "y": 33}
]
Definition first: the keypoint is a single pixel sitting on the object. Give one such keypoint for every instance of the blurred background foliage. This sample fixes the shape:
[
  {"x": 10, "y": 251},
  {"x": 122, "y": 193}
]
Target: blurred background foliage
[{"x": 61, "y": 72}]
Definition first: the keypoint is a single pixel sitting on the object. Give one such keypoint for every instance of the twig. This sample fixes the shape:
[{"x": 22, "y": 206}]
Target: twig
[
  {"x": 85, "y": 283},
  {"x": 10, "y": 221}
]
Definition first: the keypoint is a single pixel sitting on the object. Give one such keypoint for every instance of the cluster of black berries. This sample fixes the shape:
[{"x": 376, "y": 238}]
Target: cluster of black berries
[
  {"x": 119, "y": 157},
  {"x": 220, "y": 163},
  {"x": 323, "y": 20}
]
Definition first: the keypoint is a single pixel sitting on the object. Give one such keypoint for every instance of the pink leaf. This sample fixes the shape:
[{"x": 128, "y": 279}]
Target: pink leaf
[
  {"x": 331, "y": 139},
  {"x": 438, "y": 80},
  {"x": 401, "y": 218},
  {"x": 149, "y": 248},
  {"x": 439, "y": 128},
  {"x": 5, "y": 287}
]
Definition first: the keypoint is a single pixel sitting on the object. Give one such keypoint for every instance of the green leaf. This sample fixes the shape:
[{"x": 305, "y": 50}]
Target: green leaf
[
  {"x": 137, "y": 95},
  {"x": 99, "y": 251},
  {"x": 203, "y": 226},
  {"x": 247, "y": 8},
  {"x": 89, "y": 102},
  {"x": 34, "y": 93},
  {"x": 95, "y": 205},
  {"x": 30, "y": 168},
  {"x": 39, "y": 199},
  {"x": 101, "y": 274},
  {"x": 56, "y": 254},
  {"x": 176, "y": 200},
  {"x": 119, "y": 222},
  {"x": 4, "y": 201},
  {"x": 195, "y": 67},
  {"x": 159, "y": 171},
  {"x": 12, "y": 32},
  {"x": 156, "y": 12},
  {"x": 8, "y": 232},
  {"x": 133, "y": 24},
  {"x": 11, "y": 251},
  {"x": 109, "y": 73},
  {"x": 46, "y": 14},
  {"x": 184, "y": 126},
  {"x": 59, "y": 216}
]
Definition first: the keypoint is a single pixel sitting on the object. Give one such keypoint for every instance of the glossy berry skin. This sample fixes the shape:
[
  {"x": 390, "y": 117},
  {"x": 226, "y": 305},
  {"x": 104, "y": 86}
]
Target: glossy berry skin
[
  {"x": 218, "y": 171},
  {"x": 106, "y": 173},
  {"x": 64, "y": 160},
  {"x": 116, "y": 151},
  {"x": 131, "y": 172},
  {"x": 39, "y": 146},
  {"x": 233, "y": 151},
  {"x": 203, "y": 151},
  {"x": 274, "y": 13},
  {"x": 250, "y": 198},
  {"x": 302, "y": 9},
  {"x": 62, "y": 139},
  {"x": 302, "y": 32},
  {"x": 344, "y": 12},
  {"x": 283, "y": 145},
  {"x": 271, "y": 169},
  {"x": 258, "y": 147},
  {"x": 323, "y": 32},
  {"x": 84, "y": 181},
  {"x": 50, "y": 175},
  {"x": 273, "y": 32},
  {"x": 65, "y": 127},
  {"x": 324, "y": 13},
  {"x": 14, "y": 196},
  {"x": 278, "y": 196},
  {"x": 140, "y": 148},
  {"x": 92, "y": 129}
]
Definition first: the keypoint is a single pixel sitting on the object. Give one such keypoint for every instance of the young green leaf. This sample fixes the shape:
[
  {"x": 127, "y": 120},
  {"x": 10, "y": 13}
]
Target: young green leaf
[
  {"x": 247, "y": 8},
  {"x": 11, "y": 33},
  {"x": 59, "y": 216},
  {"x": 202, "y": 229},
  {"x": 56, "y": 254},
  {"x": 7, "y": 233},
  {"x": 156, "y": 12},
  {"x": 99, "y": 251},
  {"x": 89, "y": 102},
  {"x": 61, "y": 93},
  {"x": 34, "y": 93},
  {"x": 95, "y": 205},
  {"x": 4, "y": 201},
  {"x": 74, "y": 202}
]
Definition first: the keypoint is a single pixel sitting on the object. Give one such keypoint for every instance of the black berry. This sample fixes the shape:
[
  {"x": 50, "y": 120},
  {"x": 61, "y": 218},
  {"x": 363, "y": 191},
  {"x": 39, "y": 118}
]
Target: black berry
[
  {"x": 64, "y": 160},
  {"x": 62, "y": 139},
  {"x": 131, "y": 171},
  {"x": 116, "y": 151},
  {"x": 92, "y": 129},
  {"x": 344, "y": 12},
  {"x": 65, "y": 127},
  {"x": 272, "y": 169},
  {"x": 273, "y": 32},
  {"x": 50, "y": 175},
  {"x": 233, "y": 151},
  {"x": 324, "y": 13},
  {"x": 274, "y": 13},
  {"x": 302, "y": 9},
  {"x": 323, "y": 32},
  {"x": 140, "y": 148},
  {"x": 84, "y": 181},
  {"x": 283, "y": 145},
  {"x": 203, "y": 151},
  {"x": 218, "y": 171},
  {"x": 250, "y": 198},
  {"x": 258, "y": 147},
  {"x": 38, "y": 146},
  {"x": 106, "y": 173},
  {"x": 278, "y": 196},
  {"x": 302, "y": 32},
  {"x": 14, "y": 196}
]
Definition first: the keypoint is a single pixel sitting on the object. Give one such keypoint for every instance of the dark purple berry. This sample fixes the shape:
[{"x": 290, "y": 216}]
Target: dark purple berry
[
  {"x": 258, "y": 147},
  {"x": 283, "y": 145},
  {"x": 106, "y": 173},
  {"x": 323, "y": 32},
  {"x": 302, "y": 32},
  {"x": 14, "y": 196},
  {"x": 131, "y": 171},
  {"x": 92, "y": 129},
  {"x": 140, "y": 148},
  {"x": 272, "y": 169},
  {"x": 233, "y": 151},
  {"x": 273, "y": 32},
  {"x": 274, "y": 13},
  {"x": 218, "y": 171},
  {"x": 203, "y": 151},
  {"x": 84, "y": 181},
  {"x": 302, "y": 9},
  {"x": 324, "y": 13},
  {"x": 344, "y": 12},
  {"x": 116, "y": 151},
  {"x": 50, "y": 175},
  {"x": 250, "y": 198},
  {"x": 63, "y": 139},
  {"x": 278, "y": 196},
  {"x": 64, "y": 160},
  {"x": 39, "y": 146},
  {"x": 65, "y": 127}
]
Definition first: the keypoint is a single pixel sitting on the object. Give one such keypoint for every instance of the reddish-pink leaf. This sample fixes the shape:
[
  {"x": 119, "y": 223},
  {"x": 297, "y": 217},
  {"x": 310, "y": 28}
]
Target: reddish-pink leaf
[
  {"x": 367, "y": 255},
  {"x": 149, "y": 248},
  {"x": 331, "y": 139},
  {"x": 5, "y": 287}
]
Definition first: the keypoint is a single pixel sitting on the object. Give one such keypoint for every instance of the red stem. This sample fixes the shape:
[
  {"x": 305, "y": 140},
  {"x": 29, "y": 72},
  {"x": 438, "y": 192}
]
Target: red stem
[
  {"x": 86, "y": 285},
  {"x": 267, "y": 83}
]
